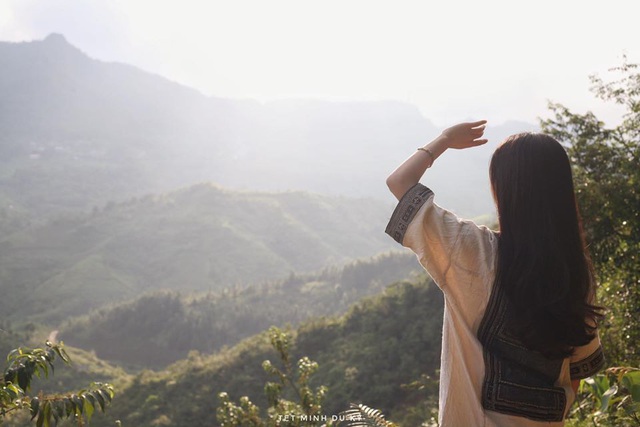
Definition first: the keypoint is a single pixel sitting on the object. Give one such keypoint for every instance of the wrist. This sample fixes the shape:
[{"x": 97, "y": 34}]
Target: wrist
[
  {"x": 443, "y": 141},
  {"x": 438, "y": 145},
  {"x": 434, "y": 149},
  {"x": 429, "y": 153}
]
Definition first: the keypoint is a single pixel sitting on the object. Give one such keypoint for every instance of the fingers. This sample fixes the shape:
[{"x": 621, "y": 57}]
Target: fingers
[
  {"x": 465, "y": 135},
  {"x": 477, "y": 124}
]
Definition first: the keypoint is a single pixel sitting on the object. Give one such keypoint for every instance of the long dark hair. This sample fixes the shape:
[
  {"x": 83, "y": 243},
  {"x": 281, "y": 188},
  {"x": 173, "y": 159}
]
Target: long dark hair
[{"x": 543, "y": 263}]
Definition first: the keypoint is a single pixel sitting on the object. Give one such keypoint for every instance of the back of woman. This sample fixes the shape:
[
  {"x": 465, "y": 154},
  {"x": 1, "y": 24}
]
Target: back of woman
[{"x": 519, "y": 326}]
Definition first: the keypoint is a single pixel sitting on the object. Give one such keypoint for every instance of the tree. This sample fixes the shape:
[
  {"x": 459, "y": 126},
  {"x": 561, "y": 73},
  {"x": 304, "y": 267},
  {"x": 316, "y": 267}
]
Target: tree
[
  {"x": 46, "y": 410},
  {"x": 305, "y": 411},
  {"x": 281, "y": 411},
  {"x": 606, "y": 167}
]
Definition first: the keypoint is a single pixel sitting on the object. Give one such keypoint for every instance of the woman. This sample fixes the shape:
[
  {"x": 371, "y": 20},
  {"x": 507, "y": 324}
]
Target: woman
[{"x": 519, "y": 326}]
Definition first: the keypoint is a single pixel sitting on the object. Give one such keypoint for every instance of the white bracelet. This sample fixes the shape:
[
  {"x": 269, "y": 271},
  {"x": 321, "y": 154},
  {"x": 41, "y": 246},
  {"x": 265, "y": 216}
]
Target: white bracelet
[{"x": 426, "y": 150}]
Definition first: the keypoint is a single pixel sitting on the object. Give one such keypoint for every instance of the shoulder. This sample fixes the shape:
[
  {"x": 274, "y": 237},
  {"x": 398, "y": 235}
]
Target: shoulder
[{"x": 439, "y": 237}]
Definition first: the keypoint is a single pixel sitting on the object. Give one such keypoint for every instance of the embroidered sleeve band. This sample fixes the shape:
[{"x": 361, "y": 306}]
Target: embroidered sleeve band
[
  {"x": 589, "y": 366},
  {"x": 406, "y": 210}
]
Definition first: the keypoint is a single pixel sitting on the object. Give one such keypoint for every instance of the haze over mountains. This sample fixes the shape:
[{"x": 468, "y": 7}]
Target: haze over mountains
[{"x": 76, "y": 132}]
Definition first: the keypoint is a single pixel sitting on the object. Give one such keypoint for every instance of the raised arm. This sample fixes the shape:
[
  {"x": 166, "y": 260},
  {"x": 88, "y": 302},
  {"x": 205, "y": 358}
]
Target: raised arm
[{"x": 463, "y": 135}]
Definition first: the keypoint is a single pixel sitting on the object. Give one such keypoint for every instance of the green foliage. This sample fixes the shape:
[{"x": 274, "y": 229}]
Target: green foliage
[
  {"x": 609, "y": 399},
  {"x": 381, "y": 344},
  {"x": 364, "y": 356},
  {"x": 24, "y": 363},
  {"x": 303, "y": 412},
  {"x": 607, "y": 176},
  {"x": 160, "y": 328},
  {"x": 421, "y": 408},
  {"x": 46, "y": 410}
]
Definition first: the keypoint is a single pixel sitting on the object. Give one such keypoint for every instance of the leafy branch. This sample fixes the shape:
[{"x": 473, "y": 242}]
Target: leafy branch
[
  {"x": 307, "y": 407},
  {"x": 363, "y": 416},
  {"x": 25, "y": 363}
]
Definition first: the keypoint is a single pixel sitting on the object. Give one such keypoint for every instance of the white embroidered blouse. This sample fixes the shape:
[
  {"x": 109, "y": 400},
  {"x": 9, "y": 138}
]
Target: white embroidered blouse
[{"x": 496, "y": 384}]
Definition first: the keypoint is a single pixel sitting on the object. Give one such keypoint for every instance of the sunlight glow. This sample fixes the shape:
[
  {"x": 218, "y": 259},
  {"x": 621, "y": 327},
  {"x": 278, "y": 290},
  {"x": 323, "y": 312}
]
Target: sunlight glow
[{"x": 495, "y": 59}]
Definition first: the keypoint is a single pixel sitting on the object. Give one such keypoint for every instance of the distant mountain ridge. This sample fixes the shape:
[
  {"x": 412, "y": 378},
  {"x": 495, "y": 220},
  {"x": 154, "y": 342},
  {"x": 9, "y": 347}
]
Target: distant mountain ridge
[{"x": 77, "y": 132}]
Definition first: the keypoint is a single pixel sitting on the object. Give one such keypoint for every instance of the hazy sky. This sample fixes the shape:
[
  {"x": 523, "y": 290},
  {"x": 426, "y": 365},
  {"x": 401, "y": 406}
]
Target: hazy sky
[{"x": 453, "y": 59}]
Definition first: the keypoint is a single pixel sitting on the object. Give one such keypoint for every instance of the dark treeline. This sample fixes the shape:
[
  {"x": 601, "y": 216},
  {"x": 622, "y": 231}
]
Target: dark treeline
[{"x": 160, "y": 328}]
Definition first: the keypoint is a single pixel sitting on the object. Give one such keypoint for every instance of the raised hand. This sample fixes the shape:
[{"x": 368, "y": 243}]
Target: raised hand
[{"x": 465, "y": 135}]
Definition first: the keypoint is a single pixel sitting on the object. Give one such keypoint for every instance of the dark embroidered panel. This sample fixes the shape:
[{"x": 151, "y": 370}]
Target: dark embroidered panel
[
  {"x": 517, "y": 381},
  {"x": 589, "y": 366},
  {"x": 406, "y": 210}
]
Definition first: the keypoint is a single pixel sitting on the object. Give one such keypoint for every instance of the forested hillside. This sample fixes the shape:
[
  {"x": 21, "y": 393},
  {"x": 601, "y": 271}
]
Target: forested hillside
[
  {"x": 367, "y": 355},
  {"x": 156, "y": 329},
  {"x": 200, "y": 238}
]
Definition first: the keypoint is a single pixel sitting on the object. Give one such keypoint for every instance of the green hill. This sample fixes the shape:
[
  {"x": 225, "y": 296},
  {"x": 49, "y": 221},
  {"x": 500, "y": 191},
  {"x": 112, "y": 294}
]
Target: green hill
[
  {"x": 364, "y": 356},
  {"x": 199, "y": 238},
  {"x": 159, "y": 328}
]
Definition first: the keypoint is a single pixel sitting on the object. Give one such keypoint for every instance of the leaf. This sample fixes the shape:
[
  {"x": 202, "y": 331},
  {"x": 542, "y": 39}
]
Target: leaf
[
  {"x": 35, "y": 406},
  {"x": 78, "y": 403},
  {"x": 47, "y": 413},
  {"x": 12, "y": 354},
  {"x": 106, "y": 395},
  {"x": 606, "y": 397},
  {"x": 15, "y": 391},
  {"x": 635, "y": 392},
  {"x": 45, "y": 368},
  {"x": 62, "y": 353},
  {"x": 24, "y": 379},
  {"x": 40, "y": 420},
  {"x": 272, "y": 391},
  {"x": 69, "y": 407},
  {"x": 99, "y": 398},
  {"x": 596, "y": 389},
  {"x": 631, "y": 381},
  {"x": 603, "y": 382},
  {"x": 88, "y": 407},
  {"x": 59, "y": 409}
]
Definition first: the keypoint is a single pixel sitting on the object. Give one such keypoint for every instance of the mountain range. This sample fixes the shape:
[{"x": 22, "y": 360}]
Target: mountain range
[{"x": 76, "y": 133}]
